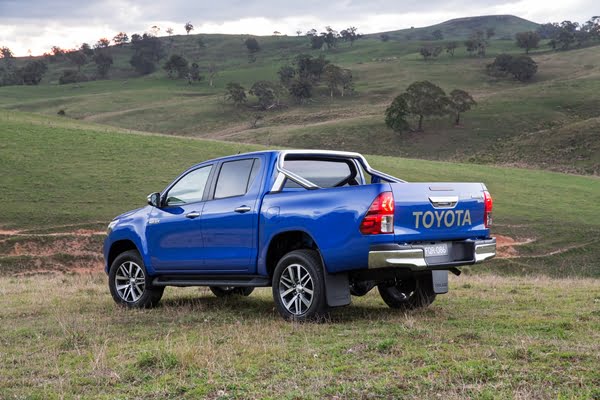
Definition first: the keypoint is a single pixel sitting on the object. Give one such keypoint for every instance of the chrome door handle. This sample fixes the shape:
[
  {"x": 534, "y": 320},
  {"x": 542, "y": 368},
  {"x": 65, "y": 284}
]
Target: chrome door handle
[
  {"x": 242, "y": 209},
  {"x": 193, "y": 214}
]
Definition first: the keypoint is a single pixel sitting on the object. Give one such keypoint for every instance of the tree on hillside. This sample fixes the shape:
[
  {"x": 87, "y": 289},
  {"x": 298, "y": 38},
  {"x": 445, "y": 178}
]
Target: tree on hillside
[
  {"x": 316, "y": 42},
  {"x": 437, "y": 35},
  {"x": 86, "y": 49},
  {"x": 460, "y": 102},
  {"x": 471, "y": 46},
  {"x": 195, "y": 73},
  {"x": 136, "y": 37},
  {"x": 309, "y": 67},
  {"x": 527, "y": 40},
  {"x": 71, "y": 76},
  {"x": 6, "y": 53},
  {"x": 347, "y": 82},
  {"x": 268, "y": 94},
  {"x": 78, "y": 58},
  {"x": 121, "y": 38},
  {"x": 235, "y": 93},
  {"x": 103, "y": 62},
  {"x": 548, "y": 30},
  {"x": 332, "y": 75},
  {"x": 176, "y": 66},
  {"x": 330, "y": 37},
  {"x": 451, "y": 47},
  {"x": 102, "y": 43},
  {"x": 384, "y": 37},
  {"x": 286, "y": 75},
  {"x": 298, "y": 32},
  {"x": 397, "y": 113},
  {"x": 350, "y": 35},
  {"x": 57, "y": 53},
  {"x": 188, "y": 27},
  {"x": 213, "y": 71},
  {"x": 425, "y": 99},
  {"x": 252, "y": 45},
  {"x": 169, "y": 31},
  {"x": 147, "y": 52},
  {"x": 430, "y": 52},
  {"x": 489, "y": 33},
  {"x": 33, "y": 72},
  {"x": 301, "y": 89},
  {"x": 521, "y": 67}
]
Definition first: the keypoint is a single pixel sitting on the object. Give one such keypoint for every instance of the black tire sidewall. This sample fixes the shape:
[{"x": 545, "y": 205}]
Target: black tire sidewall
[
  {"x": 151, "y": 295},
  {"x": 311, "y": 261}
]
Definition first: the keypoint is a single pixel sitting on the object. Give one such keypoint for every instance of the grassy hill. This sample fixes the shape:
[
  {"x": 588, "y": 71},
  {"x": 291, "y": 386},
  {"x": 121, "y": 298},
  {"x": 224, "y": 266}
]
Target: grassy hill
[
  {"x": 504, "y": 26},
  {"x": 80, "y": 175},
  {"x": 548, "y": 123},
  {"x": 490, "y": 337}
]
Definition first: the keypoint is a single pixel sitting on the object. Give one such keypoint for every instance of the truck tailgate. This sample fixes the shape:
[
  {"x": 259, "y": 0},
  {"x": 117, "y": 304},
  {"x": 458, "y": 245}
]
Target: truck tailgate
[{"x": 438, "y": 211}]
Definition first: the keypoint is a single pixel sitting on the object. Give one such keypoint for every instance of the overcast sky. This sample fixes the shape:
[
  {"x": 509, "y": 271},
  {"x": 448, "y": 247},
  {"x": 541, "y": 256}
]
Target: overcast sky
[{"x": 36, "y": 25}]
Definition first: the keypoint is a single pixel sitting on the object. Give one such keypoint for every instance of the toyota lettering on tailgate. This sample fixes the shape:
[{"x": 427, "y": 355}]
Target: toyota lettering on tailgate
[{"x": 447, "y": 218}]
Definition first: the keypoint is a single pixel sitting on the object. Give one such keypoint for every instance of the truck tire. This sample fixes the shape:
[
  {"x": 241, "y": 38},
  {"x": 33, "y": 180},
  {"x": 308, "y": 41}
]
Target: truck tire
[
  {"x": 129, "y": 282},
  {"x": 299, "y": 287},
  {"x": 408, "y": 294},
  {"x": 226, "y": 291}
]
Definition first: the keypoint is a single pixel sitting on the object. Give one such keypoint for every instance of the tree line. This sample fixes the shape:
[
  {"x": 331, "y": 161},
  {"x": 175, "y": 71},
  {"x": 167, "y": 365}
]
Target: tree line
[{"x": 297, "y": 81}]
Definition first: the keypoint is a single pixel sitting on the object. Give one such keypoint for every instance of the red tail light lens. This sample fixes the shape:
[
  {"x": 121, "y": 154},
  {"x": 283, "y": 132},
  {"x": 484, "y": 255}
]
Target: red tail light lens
[
  {"x": 380, "y": 217},
  {"x": 488, "y": 204}
]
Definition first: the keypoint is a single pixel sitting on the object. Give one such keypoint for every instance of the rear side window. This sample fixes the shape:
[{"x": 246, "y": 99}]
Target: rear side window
[
  {"x": 236, "y": 177},
  {"x": 323, "y": 173}
]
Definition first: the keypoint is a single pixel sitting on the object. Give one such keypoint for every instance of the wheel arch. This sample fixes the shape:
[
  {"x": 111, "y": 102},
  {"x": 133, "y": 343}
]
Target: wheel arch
[
  {"x": 119, "y": 247},
  {"x": 284, "y": 242}
]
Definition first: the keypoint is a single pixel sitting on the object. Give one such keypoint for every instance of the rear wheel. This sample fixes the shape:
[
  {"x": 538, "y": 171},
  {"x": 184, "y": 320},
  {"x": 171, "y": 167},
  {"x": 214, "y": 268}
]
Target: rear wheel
[
  {"x": 298, "y": 286},
  {"x": 129, "y": 282},
  {"x": 225, "y": 291},
  {"x": 408, "y": 294}
]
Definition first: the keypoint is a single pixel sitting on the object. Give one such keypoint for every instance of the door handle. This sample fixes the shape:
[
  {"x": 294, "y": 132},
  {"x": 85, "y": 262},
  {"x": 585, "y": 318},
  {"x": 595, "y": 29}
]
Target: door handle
[
  {"x": 193, "y": 214},
  {"x": 242, "y": 209}
]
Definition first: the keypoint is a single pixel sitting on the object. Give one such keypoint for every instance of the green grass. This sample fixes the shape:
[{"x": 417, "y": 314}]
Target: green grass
[
  {"x": 490, "y": 337},
  {"x": 65, "y": 172}
]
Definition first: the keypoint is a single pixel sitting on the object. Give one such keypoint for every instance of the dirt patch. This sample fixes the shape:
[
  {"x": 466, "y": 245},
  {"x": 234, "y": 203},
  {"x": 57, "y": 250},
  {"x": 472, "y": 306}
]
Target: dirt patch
[
  {"x": 75, "y": 246},
  {"x": 505, "y": 246}
]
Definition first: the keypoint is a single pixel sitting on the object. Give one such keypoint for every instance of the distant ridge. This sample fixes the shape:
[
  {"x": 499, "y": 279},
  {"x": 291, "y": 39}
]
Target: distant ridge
[{"x": 505, "y": 27}]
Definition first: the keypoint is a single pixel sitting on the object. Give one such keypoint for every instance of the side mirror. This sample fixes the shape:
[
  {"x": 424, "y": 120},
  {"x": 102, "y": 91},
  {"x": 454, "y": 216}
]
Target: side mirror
[{"x": 154, "y": 199}]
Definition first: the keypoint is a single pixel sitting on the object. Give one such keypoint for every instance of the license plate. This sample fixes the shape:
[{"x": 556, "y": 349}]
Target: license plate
[{"x": 436, "y": 250}]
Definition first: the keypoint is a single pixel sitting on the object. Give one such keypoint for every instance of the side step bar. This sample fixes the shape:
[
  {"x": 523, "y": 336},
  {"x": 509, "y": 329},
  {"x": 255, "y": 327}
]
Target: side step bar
[{"x": 212, "y": 280}]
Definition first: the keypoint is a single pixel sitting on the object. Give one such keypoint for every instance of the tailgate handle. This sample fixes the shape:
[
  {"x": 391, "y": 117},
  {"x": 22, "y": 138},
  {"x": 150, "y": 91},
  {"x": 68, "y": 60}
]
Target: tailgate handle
[{"x": 443, "y": 201}]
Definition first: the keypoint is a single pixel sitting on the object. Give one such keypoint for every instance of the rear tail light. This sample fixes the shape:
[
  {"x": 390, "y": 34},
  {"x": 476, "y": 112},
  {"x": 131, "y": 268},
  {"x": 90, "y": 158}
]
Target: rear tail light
[
  {"x": 380, "y": 217},
  {"x": 488, "y": 204}
]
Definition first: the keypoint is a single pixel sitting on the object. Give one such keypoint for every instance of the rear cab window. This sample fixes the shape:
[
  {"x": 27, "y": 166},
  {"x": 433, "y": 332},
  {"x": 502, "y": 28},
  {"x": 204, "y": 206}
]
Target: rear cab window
[{"x": 325, "y": 173}]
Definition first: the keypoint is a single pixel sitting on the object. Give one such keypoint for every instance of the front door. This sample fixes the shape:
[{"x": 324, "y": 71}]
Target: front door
[{"x": 174, "y": 231}]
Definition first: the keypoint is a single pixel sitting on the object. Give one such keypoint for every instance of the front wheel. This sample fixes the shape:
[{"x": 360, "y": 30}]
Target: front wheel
[
  {"x": 408, "y": 294},
  {"x": 226, "y": 291},
  {"x": 298, "y": 286},
  {"x": 129, "y": 282}
]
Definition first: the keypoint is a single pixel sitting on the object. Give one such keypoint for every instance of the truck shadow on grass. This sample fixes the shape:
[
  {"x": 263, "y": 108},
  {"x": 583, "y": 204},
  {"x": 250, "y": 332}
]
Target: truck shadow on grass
[{"x": 255, "y": 307}]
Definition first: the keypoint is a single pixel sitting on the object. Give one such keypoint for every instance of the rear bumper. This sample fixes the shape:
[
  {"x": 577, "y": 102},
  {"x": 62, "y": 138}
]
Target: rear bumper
[{"x": 412, "y": 256}]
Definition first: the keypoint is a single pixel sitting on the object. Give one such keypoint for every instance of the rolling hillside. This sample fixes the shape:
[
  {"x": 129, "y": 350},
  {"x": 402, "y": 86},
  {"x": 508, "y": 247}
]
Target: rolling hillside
[
  {"x": 66, "y": 175},
  {"x": 504, "y": 26},
  {"x": 549, "y": 123}
]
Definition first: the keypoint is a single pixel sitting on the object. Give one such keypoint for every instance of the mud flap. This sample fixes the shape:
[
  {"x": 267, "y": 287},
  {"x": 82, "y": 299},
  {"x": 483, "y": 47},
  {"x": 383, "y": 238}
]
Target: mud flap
[
  {"x": 440, "y": 281},
  {"x": 337, "y": 289}
]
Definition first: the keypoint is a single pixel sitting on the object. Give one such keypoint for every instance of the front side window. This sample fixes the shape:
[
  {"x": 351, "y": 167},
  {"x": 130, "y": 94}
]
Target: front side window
[
  {"x": 236, "y": 177},
  {"x": 190, "y": 188}
]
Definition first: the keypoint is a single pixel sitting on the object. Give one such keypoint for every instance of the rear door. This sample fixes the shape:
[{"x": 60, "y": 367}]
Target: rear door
[
  {"x": 230, "y": 217},
  {"x": 438, "y": 211}
]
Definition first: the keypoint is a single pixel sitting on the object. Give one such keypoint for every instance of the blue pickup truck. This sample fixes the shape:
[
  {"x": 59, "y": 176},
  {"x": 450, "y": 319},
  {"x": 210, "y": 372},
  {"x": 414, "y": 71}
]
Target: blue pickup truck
[{"x": 316, "y": 226}]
